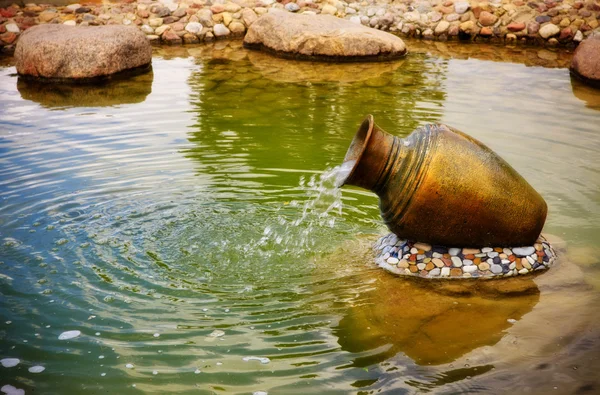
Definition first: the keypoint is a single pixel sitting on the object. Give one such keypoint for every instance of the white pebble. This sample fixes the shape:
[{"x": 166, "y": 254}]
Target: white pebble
[
  {"x": 263, "y": 360},
  {"x": 129, "y": 366},
  {"x": 260, "y": 393},
  {"x": 102, "y": 374},
  {"x": 36, "y": 369},
  {"x": 523, "y": 251},
  {"x": 155, "y": 372},
  {"x": 9, "y": 362},
  {"x": 454, "y": 251},
  {"x": 456, "y": 261},
  {"x": 511, "y": 320},
  {"x": 156, "y": 335},
  {"x": 10, "y": 390},
  {"x": 216, "y": 333},
  {"x": 392, "y": 261},
  {"x": 69, "y": 335},
  {"x": 197, "y": 371}
]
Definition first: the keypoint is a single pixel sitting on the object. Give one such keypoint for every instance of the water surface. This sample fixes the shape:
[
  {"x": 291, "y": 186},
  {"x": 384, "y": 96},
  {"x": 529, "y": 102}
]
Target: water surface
[{"x": 134, "y": 213}]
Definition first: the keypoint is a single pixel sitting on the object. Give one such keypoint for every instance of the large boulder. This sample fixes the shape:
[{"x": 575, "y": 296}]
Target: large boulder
[
  {"x": 322, "y": 37},
  {"x": 586, "y": 61},
  {"x": 81, "y": 52}
]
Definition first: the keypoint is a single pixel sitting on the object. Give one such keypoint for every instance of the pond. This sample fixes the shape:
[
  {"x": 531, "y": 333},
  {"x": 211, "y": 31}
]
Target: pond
[{"x": 171, "y": 220}]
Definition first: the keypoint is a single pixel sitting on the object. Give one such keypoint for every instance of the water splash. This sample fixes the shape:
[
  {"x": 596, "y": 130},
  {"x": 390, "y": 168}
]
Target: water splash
[{"x": 321, "y": 210}]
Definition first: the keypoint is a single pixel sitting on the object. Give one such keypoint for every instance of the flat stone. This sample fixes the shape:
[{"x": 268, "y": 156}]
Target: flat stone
[
  {"x": 516, "y": 26},
  {"x": 456, "y": 261},
  {"x": 445, "y": 272},
  {"x": 523, "y": 251},
  {"x": 437, "y": 262},
  {"x": 292, "y": 7},
  {"x": 80, "y": 52},
  {"x": 237, "y": 27},
  {"x": 454, "y": 251},
  {"x": 523, "y": 271},
  {"x": 403, "y": 263},
  {"x": 314, "y": 36},
  {"x": 435, "y": 272},
  {"x": 469, "y": 269},
  {"x": 392, "y": 261},
  {"x": 496, "y": 269},
  {"x": 421, "y": 266},
  {"x": 422, "y": 246},
  {"x": 467, "y": 251},
  {"x": 484, "y": 266},
  {"x": 456, "y": 272},
  {"x": 328, "y": 10}
]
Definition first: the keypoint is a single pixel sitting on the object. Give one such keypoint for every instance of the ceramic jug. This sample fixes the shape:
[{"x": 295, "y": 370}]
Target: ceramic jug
[{"x": 443, "y": 187}]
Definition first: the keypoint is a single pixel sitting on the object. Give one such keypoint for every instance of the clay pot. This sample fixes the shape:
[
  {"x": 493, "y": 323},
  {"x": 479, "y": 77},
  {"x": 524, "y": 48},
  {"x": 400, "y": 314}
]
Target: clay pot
[{"x": 443, "y": 187}]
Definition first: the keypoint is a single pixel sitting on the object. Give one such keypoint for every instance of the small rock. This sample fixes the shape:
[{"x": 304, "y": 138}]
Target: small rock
[
  {"x": 578, "y": 36},
  {"x": 456, "y": 261},
  {"x": 445, "y": 272},
  {"x": 193, "y": 27},
  {"x": 220, "y": 30},
  {"x": 161, "y": 29},
  {"x": 469, "y": 269},
  {"x": 435, "y": 272},
  {"x": 460, "y": 7},
  {"x": 548, "y": 31},
  {"x": 392, "y": 260},
  {"x": 438, "y": 262},
  {"x": 496, "y": 269},
  {"x": 422, "y": 246},
  {"x": 516, "y": 27},
  {"x": 454, "y": 251},
  {"x": 523, "y": 251},
  {"x": 328, "y": 9},
  {"x": 147, "y": 29},
  {"x": 292, "y": 7},
  {"x": 70, "y": 23},
  {"x": 12, "y": 28},
  {"x": 155, "y": 22},
  {"x": 484, "y": 266},
  {"x": 487, "y": 19},
  {"x": 237, "y": 27}
]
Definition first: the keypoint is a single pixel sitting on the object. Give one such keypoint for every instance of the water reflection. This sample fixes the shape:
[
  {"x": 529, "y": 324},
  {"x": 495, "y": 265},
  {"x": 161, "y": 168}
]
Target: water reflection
[
  {"x": 590, "y": 96},
  {"x": 263, "y": 112},
  {"x": 124, "y": 90},
  {"x": 432, "y": 323}
]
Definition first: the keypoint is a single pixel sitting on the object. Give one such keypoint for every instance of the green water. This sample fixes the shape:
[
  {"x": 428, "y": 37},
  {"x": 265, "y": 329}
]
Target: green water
[{"x": 133, "y": 212}]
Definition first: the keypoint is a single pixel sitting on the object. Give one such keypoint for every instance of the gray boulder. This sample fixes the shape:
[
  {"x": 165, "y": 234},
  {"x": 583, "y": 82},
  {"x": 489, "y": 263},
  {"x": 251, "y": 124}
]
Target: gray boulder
[
  {"x": 322, "y": 37},
  {"x": 81, "y": 52}
]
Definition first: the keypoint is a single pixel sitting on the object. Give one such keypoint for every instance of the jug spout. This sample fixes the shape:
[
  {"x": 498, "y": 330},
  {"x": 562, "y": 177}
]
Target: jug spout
[
  {"x": 369, "y": 151},
  {"x": 441, "y": 186}
]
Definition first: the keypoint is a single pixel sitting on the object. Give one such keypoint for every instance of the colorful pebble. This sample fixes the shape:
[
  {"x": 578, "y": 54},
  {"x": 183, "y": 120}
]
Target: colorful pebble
[{"x": 423, "y": 260}]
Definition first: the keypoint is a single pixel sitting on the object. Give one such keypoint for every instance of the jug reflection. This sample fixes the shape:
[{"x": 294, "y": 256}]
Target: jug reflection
[{"x": 432, "y": 322}]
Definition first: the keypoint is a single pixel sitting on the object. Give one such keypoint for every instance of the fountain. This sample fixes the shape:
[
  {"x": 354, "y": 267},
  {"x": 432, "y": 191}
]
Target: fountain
[{"x": 454, "y": 207}]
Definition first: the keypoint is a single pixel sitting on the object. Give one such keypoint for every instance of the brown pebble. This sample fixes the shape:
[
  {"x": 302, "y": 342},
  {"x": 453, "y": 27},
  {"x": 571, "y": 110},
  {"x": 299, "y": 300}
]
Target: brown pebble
[
  {"x": 538, "y": 247},
  {"x": 447, "y": 261},
  {"x": 438, "y": 262},
  {"x": 413, "y": 268},
  {"x": 470, "y": 256},
  {"x": 412, "y": 257},
  {"x": 456, "y": 272},
  {"x": 519, "y": 266},
  {"x": 512, "y": 257},
  {"x": 477, "y": 261},
  {"x": 429, "y": 266},
  {"x": 498, "y": 249}
]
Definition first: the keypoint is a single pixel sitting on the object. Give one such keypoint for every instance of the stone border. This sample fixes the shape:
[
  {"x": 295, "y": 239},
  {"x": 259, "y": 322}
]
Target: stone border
[
  {"x": 423, "y": 260},
  {"x": 547, "y": 22}
]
